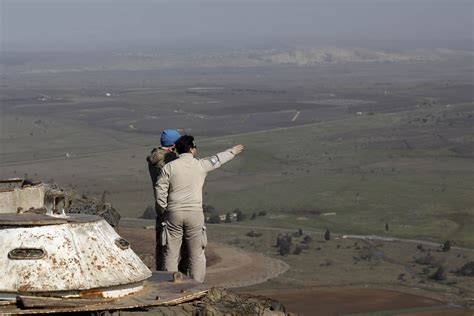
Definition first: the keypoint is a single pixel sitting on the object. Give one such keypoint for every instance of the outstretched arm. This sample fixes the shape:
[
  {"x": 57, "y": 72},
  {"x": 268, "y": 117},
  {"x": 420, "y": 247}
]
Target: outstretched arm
[{"x": 214, "y": 162}]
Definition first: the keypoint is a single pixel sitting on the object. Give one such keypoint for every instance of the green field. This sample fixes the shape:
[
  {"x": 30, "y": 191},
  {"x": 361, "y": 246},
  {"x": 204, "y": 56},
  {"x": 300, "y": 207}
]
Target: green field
[
  {"x": 345, "y": 167},
  {"x": 379, "y": 147},
  {"x": 359, "y": 168}
]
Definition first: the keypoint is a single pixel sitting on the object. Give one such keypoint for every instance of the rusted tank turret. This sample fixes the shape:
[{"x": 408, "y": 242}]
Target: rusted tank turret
[
  {"x": 52, "y": 261},
  {"x": 66, "y": 256}
]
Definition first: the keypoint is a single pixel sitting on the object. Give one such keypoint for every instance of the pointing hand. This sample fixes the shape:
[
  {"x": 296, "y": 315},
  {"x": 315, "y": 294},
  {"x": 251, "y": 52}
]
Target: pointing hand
[{"x": 237, "y": 149}]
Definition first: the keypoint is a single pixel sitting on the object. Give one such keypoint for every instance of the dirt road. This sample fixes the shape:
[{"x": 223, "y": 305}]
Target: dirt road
[{"x": 226, "y": 266}]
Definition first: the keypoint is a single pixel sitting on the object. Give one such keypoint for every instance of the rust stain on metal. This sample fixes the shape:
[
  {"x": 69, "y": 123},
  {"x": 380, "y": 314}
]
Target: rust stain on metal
[
  {"x": 91, "y": 294},
  {"x": 24, "y": 287}
]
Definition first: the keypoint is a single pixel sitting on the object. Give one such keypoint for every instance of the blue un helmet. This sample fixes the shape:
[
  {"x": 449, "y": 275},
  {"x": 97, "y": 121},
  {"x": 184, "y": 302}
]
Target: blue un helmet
[{"x": 169, "y": 137}]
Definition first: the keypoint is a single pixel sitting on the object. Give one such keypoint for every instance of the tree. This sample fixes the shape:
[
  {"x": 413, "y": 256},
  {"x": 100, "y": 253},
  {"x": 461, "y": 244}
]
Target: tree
[
  {"x": 228, "y": 218},
  {"x": 307, "y": 239},
  {"x": 285, "y": 246},
  {"x": 327, "y": 235},
  {"x": 300, "y": 232},
  {"x": 447, "y": 246},
  {"x": 262, "y": 213},
  {"x": 254, "y": 216},
  {"x": 278, "y": 241},
  {"x": 240, "y": 216},
  {"x": 149, "y": 212},
  {"x": 214, "y": 219}
]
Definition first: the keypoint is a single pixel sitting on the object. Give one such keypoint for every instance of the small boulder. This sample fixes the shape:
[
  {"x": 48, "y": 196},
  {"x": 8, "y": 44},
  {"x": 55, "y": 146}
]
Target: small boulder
[{"x": 467, "y": 269}]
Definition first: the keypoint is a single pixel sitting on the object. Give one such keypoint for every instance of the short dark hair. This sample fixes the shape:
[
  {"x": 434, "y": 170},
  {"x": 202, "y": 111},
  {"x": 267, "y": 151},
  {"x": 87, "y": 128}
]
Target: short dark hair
[{"x": 184, "y": 144}]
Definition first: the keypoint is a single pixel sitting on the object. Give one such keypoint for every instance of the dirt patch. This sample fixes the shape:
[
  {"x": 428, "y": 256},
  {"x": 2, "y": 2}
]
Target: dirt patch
[
  {"x": 337, "y": 301},
  {"x": 239, "y": 268},
  {"x": 226, "y": 266}
]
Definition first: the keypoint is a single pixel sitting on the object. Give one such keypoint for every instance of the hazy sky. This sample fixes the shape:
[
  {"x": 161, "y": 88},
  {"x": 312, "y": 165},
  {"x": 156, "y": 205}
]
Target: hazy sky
[{"x": 47, "y": 25}]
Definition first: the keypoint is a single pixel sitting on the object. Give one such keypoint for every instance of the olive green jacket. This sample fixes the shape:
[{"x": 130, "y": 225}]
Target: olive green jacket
[{"x": 157, "y": 159}]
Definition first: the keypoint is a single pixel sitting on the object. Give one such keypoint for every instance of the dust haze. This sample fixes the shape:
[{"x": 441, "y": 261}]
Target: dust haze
[
  {"x": 357, "y": 119},
  {"x": 73, "y": 25}
]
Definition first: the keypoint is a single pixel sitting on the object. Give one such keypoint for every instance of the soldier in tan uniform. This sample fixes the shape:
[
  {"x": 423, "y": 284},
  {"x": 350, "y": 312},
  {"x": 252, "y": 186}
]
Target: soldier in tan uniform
[
  {"x": 157, "y": 159},
  {"x": 179, "y": 191}
]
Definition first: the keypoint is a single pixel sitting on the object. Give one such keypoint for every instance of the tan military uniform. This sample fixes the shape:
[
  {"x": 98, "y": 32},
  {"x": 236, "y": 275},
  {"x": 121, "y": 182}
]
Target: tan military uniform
[{"x": 179, "y": 191}]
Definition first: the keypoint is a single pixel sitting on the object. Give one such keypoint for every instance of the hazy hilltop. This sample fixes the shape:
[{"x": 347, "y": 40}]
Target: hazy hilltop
[
  {"x": 31, "y": 63},
  {"x": 355, "y": 55}
]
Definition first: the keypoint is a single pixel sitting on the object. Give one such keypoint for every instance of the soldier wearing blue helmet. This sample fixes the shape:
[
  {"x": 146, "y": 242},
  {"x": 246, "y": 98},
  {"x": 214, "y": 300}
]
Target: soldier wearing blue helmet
[{"x": 157, "y": 159}]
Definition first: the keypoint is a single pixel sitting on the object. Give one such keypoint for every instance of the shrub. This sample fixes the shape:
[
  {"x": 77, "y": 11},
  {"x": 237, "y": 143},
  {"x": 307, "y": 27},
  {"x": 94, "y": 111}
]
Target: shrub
[
  {"x": 208, "y": 209},
  {"x": 426, "y": 260},
  {"x": 447, "y": 246},
  {"x": 278, "y": 241},
  {"x": 304, "y": 246},
  {"x": 262, "y": 213},
  {"x": 439, "y": 275},
  {"x": 284, "y": 249},
  {"x": 327, "y": 235},
  {"x": 214, "y": 219},
  {"x": 149, "y": 213},
  {"x": 297, "y": 250},
  {"x": 240, "y": 216},
  {"x": 253, "y": 234},
  {"x": 467, "y": 269},
  {"x": 285, "y": 245}
]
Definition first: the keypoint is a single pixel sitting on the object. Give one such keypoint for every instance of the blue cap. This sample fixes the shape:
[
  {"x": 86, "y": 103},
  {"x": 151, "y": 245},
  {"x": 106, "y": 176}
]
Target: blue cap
[{"x": 169, "y": 137}]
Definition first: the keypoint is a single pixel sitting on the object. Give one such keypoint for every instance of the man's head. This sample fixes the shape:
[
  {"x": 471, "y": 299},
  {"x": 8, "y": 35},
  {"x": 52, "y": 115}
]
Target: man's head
[
  {"x": 169, "y": 137},
  {"x": 185, "y": 144}
]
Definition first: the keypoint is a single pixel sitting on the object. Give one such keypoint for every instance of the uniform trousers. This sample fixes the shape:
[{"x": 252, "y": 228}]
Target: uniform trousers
[{"x": 190, "y": 226}]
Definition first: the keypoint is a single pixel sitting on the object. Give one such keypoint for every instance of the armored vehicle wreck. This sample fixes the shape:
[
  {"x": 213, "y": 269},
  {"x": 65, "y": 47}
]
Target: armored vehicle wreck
[
  {"x": 55, "y": 261},
  {"x": 66, "y": 256}
]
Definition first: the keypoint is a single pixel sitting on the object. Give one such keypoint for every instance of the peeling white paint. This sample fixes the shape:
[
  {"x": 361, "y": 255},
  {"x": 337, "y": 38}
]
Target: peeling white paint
[{"x": 79, "y": 256}]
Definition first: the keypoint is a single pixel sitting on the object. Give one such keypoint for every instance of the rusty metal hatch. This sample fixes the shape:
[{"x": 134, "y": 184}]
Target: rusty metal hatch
[{"x": 26, "y": 254}]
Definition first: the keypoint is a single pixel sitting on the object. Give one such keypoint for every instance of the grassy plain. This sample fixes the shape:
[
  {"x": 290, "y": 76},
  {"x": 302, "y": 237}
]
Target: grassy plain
[
  {"x": 346, "y": 147},
  {"x": 338, "y": 263},
  {"x": 373, "y": 144},
  {"x": 360, "y": 169}
]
